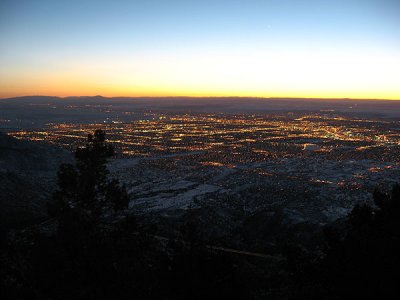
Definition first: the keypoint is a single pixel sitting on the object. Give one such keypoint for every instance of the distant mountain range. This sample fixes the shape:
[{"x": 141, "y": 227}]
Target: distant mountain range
[
  {"x": 39, "y": 98},
  {"x": 208, "y": 104}
]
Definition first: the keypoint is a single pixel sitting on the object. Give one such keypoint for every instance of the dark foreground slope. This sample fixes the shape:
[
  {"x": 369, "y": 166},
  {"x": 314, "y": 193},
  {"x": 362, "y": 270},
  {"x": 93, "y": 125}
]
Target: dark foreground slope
[
  {"x": 95, "y": 249},
  {"x": 27, "y": 177}
]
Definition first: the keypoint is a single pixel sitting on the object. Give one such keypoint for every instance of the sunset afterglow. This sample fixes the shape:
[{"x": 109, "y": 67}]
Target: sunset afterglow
[{"x": 345, "y": 49}]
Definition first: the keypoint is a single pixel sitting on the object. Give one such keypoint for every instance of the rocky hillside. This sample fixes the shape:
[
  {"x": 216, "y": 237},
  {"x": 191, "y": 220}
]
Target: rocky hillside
[{"x": 27, "y": 178}]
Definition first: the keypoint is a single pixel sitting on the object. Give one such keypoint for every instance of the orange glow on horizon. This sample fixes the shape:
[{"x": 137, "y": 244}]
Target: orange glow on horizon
[
  {"x": 204, "y": 95},
  {"x": 286, "y": 49},
  {"x": 142, "y": 92},
  {"x": 245, "y": 73}
]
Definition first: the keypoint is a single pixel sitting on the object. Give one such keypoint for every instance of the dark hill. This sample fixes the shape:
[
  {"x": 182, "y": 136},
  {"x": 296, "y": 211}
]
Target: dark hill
[{"x": 27, "y": 177}]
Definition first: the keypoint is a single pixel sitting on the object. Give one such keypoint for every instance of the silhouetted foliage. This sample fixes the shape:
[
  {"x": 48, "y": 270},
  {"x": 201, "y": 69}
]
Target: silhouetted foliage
[
  {"x": 85, "y": 189},
  {"x": 363, "y": 263}
]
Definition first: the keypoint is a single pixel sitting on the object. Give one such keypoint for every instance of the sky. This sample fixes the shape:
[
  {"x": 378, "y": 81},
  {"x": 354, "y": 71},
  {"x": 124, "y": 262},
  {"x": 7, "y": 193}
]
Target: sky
[{"x": 257, "y": 48}]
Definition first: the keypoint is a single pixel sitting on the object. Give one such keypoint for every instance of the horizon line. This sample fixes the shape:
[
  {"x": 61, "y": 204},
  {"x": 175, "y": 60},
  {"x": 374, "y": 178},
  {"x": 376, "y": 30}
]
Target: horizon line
[{"x": 207, "y": 97}]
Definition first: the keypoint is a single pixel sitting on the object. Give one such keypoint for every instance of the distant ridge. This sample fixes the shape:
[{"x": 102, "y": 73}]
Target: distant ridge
[
  {"x": 100, "y": 97},
  {"x": 43, "y": 109}
]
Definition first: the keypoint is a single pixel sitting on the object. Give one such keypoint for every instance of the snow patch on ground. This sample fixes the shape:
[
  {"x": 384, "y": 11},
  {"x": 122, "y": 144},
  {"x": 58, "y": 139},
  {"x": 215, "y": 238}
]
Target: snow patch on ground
[{"x": 179, "y": 196}]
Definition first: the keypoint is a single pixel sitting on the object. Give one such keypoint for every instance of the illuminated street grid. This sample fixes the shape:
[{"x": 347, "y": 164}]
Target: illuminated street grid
[
  {"x": 328, "y": 160},
  {"x": 238, "y": 138}
]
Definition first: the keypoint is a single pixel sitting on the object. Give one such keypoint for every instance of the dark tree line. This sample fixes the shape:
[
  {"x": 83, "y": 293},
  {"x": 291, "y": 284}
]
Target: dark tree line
[{"x": 365, "y": 262}]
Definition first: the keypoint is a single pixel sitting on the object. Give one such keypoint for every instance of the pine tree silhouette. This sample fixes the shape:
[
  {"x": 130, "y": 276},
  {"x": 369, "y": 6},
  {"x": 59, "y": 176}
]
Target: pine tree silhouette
[{"x": 85, "y": 190}]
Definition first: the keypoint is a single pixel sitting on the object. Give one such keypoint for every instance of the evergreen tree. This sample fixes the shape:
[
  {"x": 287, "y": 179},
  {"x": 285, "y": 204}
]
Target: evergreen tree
[{"x": 85, "y": 190}]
